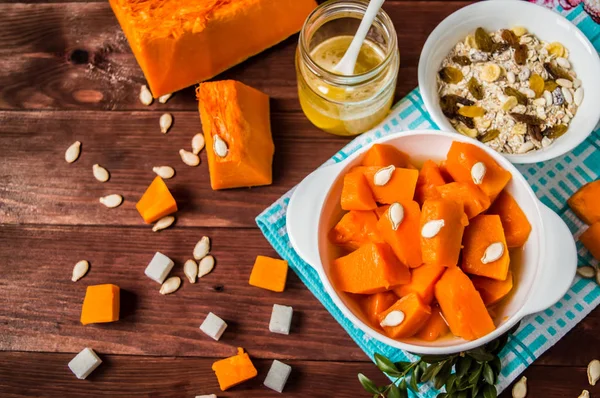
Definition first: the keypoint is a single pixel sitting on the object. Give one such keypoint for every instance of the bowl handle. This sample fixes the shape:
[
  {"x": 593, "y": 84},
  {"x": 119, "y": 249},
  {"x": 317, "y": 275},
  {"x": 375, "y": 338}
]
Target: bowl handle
[
  {"x": 561, "y": 263},
  {"x": 304, "y": 211}
]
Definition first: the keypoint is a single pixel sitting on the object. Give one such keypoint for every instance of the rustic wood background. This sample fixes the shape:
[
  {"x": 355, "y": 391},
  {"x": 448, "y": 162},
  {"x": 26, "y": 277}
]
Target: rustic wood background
[{"x": 66, "y": 74}]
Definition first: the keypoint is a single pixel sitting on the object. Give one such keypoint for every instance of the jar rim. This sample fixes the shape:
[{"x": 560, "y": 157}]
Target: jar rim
[{"x": 340, "y": 6}]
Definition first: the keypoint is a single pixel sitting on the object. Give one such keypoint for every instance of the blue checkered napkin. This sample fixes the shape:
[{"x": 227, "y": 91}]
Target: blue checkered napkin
[{"x": 553, "y": 182}]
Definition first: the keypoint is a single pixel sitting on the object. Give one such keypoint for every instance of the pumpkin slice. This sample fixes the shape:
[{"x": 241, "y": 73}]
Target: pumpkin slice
[
  {"x": 356, "y": 194},
  {"x": 492, "y": 290},
  {"x": 382, "y": 155},
  {"x": 462, "y": 305},
  {"x": 373, "y": 268},
  {"x": 585, "y": 204},
  {"x": 443, "y": 248},
  {"x": 236, "y": 118},
  {"x": 401, "y": 185},
  {"x": 435, "y": 327},
  {"x": 485, "y": 252},
  {"x": 355, "y": 229},
  {"x": 404, "y": 240},
  {"x": 156, "y": 202},
  {"x": 416, "y": 313},
  {"x": 430, "y": 177},
  {"x": 514, "y": 221},
  {"x": 474, "y": 200},
  {"x": 380, "y": 210},
  {"x": 462, "y": 157},
  {"x": 591, "y": 239},
  {"x": 422, "y": 282},
  {"x": 375, "y": 304}
]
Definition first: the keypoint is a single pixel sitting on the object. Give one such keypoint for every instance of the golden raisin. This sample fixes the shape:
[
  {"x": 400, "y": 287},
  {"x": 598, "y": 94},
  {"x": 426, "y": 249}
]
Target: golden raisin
[
  {"x": 536, "y": 83},
  {"x": 550, "y": 85},
  {"x": 471, "y": 111},
  {"x": 451, "y": 75}
]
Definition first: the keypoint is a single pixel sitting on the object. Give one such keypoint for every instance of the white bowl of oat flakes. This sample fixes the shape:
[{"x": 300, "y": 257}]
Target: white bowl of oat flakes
[{"x": 516, "y": 76}]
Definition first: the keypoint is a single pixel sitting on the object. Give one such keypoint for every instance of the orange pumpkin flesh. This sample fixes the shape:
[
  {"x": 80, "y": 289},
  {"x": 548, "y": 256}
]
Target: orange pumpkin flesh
[
  {"x": 401, "y": 185},
  {"x": 355, "y": 229},
  {"x": 474, "y": 200},
  {"x": 514, "y": 222},
  {"x": 483, "y": 231},
  {"x": 375, "y": 304},
  {"x": 591, "y": 239},
  {"x": 356, "y": 194},
  {"x": 434, "y": 328},
  {"x": 156, "y": 202},
  {"x": 430, "y": 177},
  {"x": 492, "y": 290},
  {"x": 416, "y": 314},
  {"x": 585, "y": 203},
  {"x": 405, "y": 239},
  {"x": 382, "y": 155},
  {"x": 422, "y": 282}
]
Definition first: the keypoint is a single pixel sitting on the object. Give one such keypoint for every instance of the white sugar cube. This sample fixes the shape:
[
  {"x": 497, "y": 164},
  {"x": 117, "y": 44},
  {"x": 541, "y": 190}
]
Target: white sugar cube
[
  {"x": 278, "y": 376},
  {"x": 84, "y": 363},
  {"x": 213, "y": 326},
  {"x": 159, "y": 267},
  {"x": 281, "y": 319},
  {"x": 206, "y": 396}
]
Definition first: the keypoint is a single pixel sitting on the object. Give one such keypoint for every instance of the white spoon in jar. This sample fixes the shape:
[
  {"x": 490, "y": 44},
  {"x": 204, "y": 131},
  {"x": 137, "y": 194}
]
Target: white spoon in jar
[{"x": 348, "y": 61}]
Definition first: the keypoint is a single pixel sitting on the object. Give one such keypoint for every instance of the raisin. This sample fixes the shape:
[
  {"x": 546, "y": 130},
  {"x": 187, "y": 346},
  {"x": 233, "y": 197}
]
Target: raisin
[
  {"x": 475, "y": 88},
  {"x": 451, "y": 75},
  {"x": 555, "y": 131},
  {"x": 521, "y": 98},
  {"x": 467, "y": 121},
  {"x": 550, "y": 85},
  {"x": 461, "y": 60},
  {"x": 536, "y": 83},
  {"x": 521, "y": 54},
  {"x": 489, "y": 135},
  {"x": 471, "y": 111},
  {"x": 509, "y": 37},
  {"x": 557, "y": 72},
  {"x": 527, "y": 119},
  {"x": 484, "y": 41},
  {"x": 499, "y": 48},
  {"x": 534, "y": 132}
]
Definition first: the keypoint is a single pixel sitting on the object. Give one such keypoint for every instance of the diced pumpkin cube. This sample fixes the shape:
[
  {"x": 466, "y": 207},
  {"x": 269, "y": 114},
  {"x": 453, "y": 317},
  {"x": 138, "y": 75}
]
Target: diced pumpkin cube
[
  {"x": 380, "y": 210},
  {"x": 462, "y": 305},
  {"x": 422, "y": 282},
  {"x": 514, "y": 222},
  {"x": 156, "y": 202},
  {"x": 375, "y": 304},
  {"x": 591, "y": 239},
  {"x": 492, "y": 290},
  {"x": 444, "y": 172},
  {"x": 234, "y": 370},
  {"x": 101, "y": 304},
  {"x": 401, "y": 185},
  {"x": 430, "y": 177},
  {"x": 382, "y": 155},
  {"x": 238, "y": 117},
  {"x": 435, "y": 327},
  {"x": 460, "y": 160},
  {"x": 416, "y": 313},
  {"x": 585, "y": 204},
  {"x": 355, "y": 229},
  {"x": 356, "y": 194},
  {"x": 479, "y": 256},
  {"x": 444, "y": 247},
  {"x": 373, "y": 268},
  {"x": 474, "y": 200},
  {"x": 269, "y": 273},
  {"x": 404, "y": 240}
]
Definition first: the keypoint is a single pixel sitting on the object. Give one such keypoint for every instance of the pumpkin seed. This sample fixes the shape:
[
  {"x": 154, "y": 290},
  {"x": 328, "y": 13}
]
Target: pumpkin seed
[
  {"x": 593, "y": 372},
  {"x": 100, "y": 173},
  {"x": 548, "y": 97},
  {"x": 111, "y": 201},
  {"x": 490, "y": 73},
  {"x": 567, "y": 95},
  {"x": 393, "y": 319},
  {"x": 206, "y": 265},
  {"x": 519, "y": 390},
  {"x": 72, "y": 152},
  {"x": 564, "y": 83},
  {"x": 197, "y": 143},
  {"x": 383, "y": 175},
  {"x": 79, "y": 270},
  {"x": 525, "y": 147},
  {"x": 584, "y": 394},
  {"x": 163, "y": 223},
  {"x": 164, "y": 98},
  {"x": 478, "y": 172},
  {"x": 540, "y": 102},
  {"x": 489, "y": 135},
  {"x": 563, "y": 63},
  {"x": 586, "y": 272},
  {"x": 170, "y": 285},
  {"x": 578, "y": 97},
  {"x": 493, "y": 253},
  {"x": 598, "y": 276},
  {"x": 576, "y": 83},
  {"x": 165, "y": 172},
  {"x": 202, "y": 248},
  {"x": 432, "y": 228},
  {"x": 529, "y": 93},
  {"x": 189, "y": 158},
  {"x": 220, "y": 146},
  {"x": 511, "y": 77},
  {"x": 396, "y": 215},
  {"x": 165, "y": 122},
  {"x": 145, "y": 95},
  {"x": 190, "y": 269}
]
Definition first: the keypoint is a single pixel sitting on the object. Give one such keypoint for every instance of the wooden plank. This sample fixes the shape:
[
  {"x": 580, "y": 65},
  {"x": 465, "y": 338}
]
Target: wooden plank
[
  {"x": 39, "y": 187},
  {"x": 75, "y": 56}
]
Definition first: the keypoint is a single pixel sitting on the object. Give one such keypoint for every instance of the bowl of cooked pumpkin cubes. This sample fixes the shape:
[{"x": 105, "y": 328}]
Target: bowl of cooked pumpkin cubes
[{"x": 431, "y": 242}]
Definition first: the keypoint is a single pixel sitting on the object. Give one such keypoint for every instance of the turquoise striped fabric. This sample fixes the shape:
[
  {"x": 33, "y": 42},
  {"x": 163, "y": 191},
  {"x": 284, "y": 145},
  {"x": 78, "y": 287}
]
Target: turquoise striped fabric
[{"x": 553, "y": 182}]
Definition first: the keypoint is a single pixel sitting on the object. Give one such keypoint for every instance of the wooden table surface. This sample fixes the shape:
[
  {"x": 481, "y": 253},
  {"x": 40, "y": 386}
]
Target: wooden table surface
[{"x": 66, "y": 74}]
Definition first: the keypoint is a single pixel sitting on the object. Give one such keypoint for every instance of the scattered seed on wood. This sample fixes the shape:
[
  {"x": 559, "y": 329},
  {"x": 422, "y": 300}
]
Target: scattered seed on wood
[
  {"x": 202, "y": 248},
  {"x": 519, "y": 390},
  {"x": 163, "y": 223},
  {"x": 145, "y": 95},
  {"x": 171, "y": 285},
  {"x": 593, "y": 372},
  {"x": 72, "y": 152},
  {"x": 165, "y": 172},
  {"x": 586, "y": 272},
  {"x": 164, "y": 98},
  {"x": 79, "y": 270},
  {"x": 190, "y": 269},
  {"x": 111, "y": 201},
  {"x": 219, "y": 146},
  {"x": 383, "y": 175},
  {"x": 165, "y": 122},
  {"x": 197, "y": 143},
  {"x": 432, "y": 228},
  {"x": 100, "y": 173},
  {"x": 584, "y": 394},
  {"x": 205, "y": 266},
  {"x": 189, "y": 158}
]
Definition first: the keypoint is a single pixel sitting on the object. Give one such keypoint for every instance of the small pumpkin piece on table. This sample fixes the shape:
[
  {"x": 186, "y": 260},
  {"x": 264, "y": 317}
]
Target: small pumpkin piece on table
[
  {"x": 355, "y": 229},
  {"x": 591, "y": 239},
  {"x": 356, "y": 194},
  {"x": 442, "y": 226},
  {"x": 269, "y": 273},
  {"x": 237, "y": 130},
  {"x": 399, "y": 186},
  {"x": 585, "y": 203},
  {"x": 414, "y": 315},
  {"x": 492, "y": 290},
  {"x": 435, "y": 327},
  {"x": 234, "y": 370},
  {"x": 373, "y": 268},
  {"x": 101, "y": 304},
  {"x": 485, "y": 252},
  {"x": 403, "y": 236},
  {"x": 422, "y": 282},
  {"x": 430, "y": 177},
  {"x": 375, "y": 304},
  {"x": 382, "y": 155},
  {"x": 462, "y": 305},
  {"x": 156, "y": 202},
  {"x": 514, "y": 222},
  {"x": 474, "y": 200}
]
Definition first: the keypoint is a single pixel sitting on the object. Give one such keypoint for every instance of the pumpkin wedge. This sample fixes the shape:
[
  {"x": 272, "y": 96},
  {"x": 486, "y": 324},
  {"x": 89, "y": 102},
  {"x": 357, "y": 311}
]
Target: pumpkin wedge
[
  {"x": 355, "y": 229},
  {"x": 485, "y": 251},
  {"x": 585, "y": 204},
  {"x": 156, "y": 202},
  {"x": 492, "y": 290},
  {"x": 434, "y": 328},
  {"x": 422, "y": 282},
  {"x": 356, "y": 194},
  {"x": 514, "y": 222},
  {"x": 375, "y": 304},
  {"x": 591, "y": 239},
  {"x": 416, "y": 313},
  {"x": 404, "y": 239},
  {"x": 382, "y": 155},
  {"x": 430, "y": 177},
  {"x": 474, "y": 200},
  {"x": 400, "y": 186}
]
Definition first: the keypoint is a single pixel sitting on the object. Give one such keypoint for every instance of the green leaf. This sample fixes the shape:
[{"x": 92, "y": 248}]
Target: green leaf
[
  {"x": 462, "y": 366},
  {"x": 441, "y": 395},
  {"x": 431, "y": 359},
  {"x": 451, "y": 383},
  {"x": 402, "y": 384},
  {"x": 480, "y": 355},
  {"x": 488, "y": 374},
  {"x": 417, "y": 373},
  {"x": 440, "y": 379},
  {"x": 502, "y": 340},
  {"x": 496, "y": 365},
  {"x": 475, "y": 390},
  {"x": 431, "y": 371},
  {"x": 386, "y": 366},
  {"x": 413, "y": 383},
  {"x": 394, "y": 392},
  {"x": 403, "y": 365},
  {"x": 474, "y": 377},
  {"x": 489, "y": 391},
  {"x": 367, "y": 384},
  {"x": 423, "y": 365},
  {"x": 462, "y": 394},
  {"x": 492, "y": 345}
]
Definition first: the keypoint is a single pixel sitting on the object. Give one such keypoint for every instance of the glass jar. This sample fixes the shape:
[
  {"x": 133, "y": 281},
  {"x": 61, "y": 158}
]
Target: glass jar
[{"x": 340, "y": 104}]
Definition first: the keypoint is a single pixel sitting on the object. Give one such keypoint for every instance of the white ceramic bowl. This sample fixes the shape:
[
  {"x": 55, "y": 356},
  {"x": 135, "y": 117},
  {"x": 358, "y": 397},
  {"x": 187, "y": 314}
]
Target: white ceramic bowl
[
  {"x": 548, "y": 259},
  {"x": 546, "y": 25}
]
